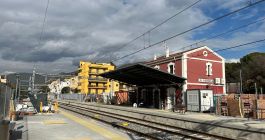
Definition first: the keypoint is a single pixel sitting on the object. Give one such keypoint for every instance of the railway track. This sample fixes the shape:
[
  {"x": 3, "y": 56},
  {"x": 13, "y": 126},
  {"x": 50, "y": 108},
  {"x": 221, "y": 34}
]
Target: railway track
[{"x": 142, "y": 127}]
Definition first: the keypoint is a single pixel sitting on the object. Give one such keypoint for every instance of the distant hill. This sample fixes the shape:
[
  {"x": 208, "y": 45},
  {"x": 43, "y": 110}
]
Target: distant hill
[{"x": 39, "y": 79}]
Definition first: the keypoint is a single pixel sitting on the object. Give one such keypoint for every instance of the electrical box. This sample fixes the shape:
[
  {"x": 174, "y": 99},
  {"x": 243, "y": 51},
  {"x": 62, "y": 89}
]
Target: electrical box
[
  {"x": 217, "y": 81},
  {"x": 199, "y": 100}
]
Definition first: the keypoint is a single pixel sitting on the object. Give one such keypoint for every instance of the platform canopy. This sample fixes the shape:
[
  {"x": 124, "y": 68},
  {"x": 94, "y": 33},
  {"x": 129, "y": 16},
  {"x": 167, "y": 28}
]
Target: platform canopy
[{"x": 140, "y": 75}]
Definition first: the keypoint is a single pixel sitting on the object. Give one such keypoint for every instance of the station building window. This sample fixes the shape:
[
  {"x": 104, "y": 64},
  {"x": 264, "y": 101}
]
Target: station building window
[
  {"x": 171, "y": 68},
  {"x": 209, "y": 69}
]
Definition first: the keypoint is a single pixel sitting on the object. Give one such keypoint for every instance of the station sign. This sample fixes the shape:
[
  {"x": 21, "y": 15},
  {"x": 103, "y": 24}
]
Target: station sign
[{"x": 205, "y": 80}]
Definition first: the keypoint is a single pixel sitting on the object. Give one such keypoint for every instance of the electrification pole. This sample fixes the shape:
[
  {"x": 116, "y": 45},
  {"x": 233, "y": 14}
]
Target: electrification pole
[{"x": 241, "y": 85}]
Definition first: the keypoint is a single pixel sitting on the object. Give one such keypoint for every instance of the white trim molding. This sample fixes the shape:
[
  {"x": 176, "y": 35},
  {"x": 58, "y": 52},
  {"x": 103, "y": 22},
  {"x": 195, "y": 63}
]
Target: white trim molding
[
  {"x": 204, "y": 47},
  {"x": 195, "y": 58},
  {"x": 223, "y": 69},
  {"x": 184, "y": 71},
  {"x": 203, "y": 84}
]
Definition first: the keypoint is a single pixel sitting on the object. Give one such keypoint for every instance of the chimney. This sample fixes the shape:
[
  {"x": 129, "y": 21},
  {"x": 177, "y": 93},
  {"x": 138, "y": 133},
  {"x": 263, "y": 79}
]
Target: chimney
[
  {"x": 167, "y": 49},
  {"x": 155, "y": 57},
  {"x": 167, "y": 52}
]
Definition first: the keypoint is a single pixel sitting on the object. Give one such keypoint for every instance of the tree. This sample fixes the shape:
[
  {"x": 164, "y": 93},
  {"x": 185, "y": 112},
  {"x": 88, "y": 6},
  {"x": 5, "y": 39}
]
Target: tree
[
  {"x": 232, "y": 72},
  {"x": 253, "y": 71}
]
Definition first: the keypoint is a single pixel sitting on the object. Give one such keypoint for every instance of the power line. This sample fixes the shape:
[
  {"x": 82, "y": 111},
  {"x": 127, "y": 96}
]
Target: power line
[
  {"x": 254, "y": 42},
  {"x": 233, "y": 47},
  {"x": 224, "y": 49},
  {"x": 221, "y": 34},
  {"x": 44, "y": 20},
  {"x": 160, "y": 24},
  {"x": 201, "y": 25}
]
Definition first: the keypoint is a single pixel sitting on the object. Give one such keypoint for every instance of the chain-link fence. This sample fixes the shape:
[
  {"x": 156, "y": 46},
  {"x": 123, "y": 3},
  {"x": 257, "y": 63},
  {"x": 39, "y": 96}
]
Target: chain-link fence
[{"x": 5, "y": 96}]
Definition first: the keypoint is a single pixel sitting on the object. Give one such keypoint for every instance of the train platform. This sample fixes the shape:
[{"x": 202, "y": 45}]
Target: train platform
[
  {"x": 199, "y": 117},
  {"x": 230, "y": 127},
  {"x": 65, "y": 126}
]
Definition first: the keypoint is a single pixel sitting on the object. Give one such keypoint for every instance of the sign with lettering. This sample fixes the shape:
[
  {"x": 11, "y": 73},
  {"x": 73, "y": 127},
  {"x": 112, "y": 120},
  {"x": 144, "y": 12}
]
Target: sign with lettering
[{"x": 205, "y": 80}]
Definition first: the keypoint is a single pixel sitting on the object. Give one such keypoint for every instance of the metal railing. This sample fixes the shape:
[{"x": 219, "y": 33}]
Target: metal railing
[
  {"x": 75, "y": 96},
  {"x": 98, "y": 79},
  {"x": 102, "y": 98}
]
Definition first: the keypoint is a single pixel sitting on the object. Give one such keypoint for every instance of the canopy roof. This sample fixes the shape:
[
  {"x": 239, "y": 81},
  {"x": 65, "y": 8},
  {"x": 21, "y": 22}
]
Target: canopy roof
[{"x": 140, "y": 74}]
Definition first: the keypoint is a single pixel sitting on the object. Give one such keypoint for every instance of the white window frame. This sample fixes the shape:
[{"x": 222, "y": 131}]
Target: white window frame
[
  {"x": 209, "y": 69},
  {"x": 168, "y": 67}
]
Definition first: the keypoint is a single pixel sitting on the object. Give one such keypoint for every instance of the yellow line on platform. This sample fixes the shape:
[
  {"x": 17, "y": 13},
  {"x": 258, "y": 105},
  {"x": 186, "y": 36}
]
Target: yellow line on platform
[
  {"x": 94, "y": 127},
  {"x": 47, "y": 122}
]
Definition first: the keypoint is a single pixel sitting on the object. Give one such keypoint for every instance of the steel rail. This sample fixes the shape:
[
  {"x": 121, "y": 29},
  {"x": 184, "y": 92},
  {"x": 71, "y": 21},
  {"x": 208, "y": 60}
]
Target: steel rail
[{"x": 150, "y": 124}]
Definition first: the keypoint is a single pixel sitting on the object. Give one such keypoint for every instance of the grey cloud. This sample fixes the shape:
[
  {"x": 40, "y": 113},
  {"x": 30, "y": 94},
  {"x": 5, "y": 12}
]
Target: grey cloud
[{"x": 88, "y": 30}]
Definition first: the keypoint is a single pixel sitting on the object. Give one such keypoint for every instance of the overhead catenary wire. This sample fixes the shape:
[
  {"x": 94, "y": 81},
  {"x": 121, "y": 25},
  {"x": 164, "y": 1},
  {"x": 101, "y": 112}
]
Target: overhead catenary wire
[
  {"x": 223, "y": 33},
  {"x": 228, "y": 48},
  {"x": 219, "y": 50},
  {"x": 191, "y": 29},
  {"x": 158, "y": 25},
  {"x": 233, "y": 47},
  {"x": 44, "y": 20},
  {"x": 43, "y": 25}
]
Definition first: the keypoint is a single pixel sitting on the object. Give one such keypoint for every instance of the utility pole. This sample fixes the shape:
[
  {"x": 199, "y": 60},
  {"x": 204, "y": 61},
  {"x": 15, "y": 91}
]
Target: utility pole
[
  {"x": 241, "y": 85},
  {"x": 45, "y": 82},
  {"x": 16, "y": 87},
  {"x": 256, "y": 90},
  {"x": 5, "y": 102},
  {"x": 33, "y": 79},
  {"x": 29, "y": 88},
  {"x": 18, "y": 90}
]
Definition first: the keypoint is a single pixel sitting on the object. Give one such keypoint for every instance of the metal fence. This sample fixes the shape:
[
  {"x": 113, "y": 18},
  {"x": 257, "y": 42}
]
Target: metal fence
[
  {"x": 74, "y": 96},
  {"x": 102, "y": 98},
  {"x": 5, "y": 96}
]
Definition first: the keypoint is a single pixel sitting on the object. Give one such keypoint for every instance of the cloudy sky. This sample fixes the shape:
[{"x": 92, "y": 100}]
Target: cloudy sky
[{"x": 97, "y": 29}]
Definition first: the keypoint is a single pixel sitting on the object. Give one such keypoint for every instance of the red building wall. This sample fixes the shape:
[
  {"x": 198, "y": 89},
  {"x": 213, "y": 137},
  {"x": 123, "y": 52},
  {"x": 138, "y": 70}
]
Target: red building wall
[
  {"x": 216, "y": 89},
  {"x": 210, "y": 55},
  {"x": 197, "y": 69},
  {"x": 178, "y": 67},
  {"x": 163, "y": 67}
]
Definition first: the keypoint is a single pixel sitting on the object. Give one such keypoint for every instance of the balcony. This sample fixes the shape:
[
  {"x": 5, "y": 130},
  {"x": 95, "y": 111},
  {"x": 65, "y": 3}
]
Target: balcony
[
  {"x": 98, "y": 80},
  {"x": 96, "y": 87}
]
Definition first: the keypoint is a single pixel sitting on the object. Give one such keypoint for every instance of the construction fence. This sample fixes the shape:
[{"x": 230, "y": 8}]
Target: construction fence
[{"x": 241, "y": 105}]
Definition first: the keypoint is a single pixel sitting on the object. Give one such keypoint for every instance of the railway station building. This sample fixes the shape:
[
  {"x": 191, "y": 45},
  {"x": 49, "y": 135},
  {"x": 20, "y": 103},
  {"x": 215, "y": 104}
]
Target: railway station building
[
  {"x": 202, "y": 67},
  {"x": 176, "y": 79}
]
